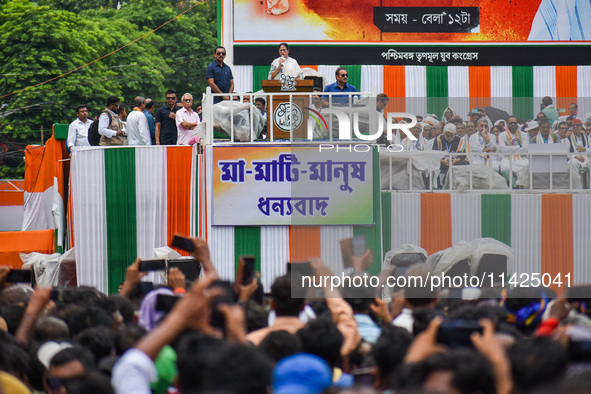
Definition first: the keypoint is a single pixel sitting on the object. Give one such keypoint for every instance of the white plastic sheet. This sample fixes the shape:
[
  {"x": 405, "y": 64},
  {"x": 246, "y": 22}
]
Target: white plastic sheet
[
  {"x": 484, "y": 246},
  {"x": 449, "y": 257},
  {"x": 227, "y": 112},
  {"x": 406, "y": 162},
  {"x": 405, "y": 249},
  {"x": 482, "y": 178}
]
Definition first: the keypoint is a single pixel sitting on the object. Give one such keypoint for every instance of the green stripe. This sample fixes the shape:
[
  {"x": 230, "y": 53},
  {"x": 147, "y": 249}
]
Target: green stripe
[
  {"x": 437, "y": 89},
  {"x": 121, "y": 214},
  {"x": 523, "y": 92},
  {"x": 387, "y": 221},
  {"x": 247, "y": 241},
  {"x": 373, "y": 234},
  {"x": 354, "y": 79},
  {"x": 259, "y": 73},
  {"x": 496, "y": 217},
  {"x": 219, "y": 22}
]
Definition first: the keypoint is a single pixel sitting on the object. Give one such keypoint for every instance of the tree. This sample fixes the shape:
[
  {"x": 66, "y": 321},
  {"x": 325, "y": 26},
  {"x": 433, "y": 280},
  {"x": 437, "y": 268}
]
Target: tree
[
  {"x": 47, "y": 40},
  {"x": 38, "y": 44},
  {"x": 187, "y": 42}
]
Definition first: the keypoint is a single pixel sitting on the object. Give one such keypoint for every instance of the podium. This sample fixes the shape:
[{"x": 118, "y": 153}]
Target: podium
[{"x": 280, "y": 113}]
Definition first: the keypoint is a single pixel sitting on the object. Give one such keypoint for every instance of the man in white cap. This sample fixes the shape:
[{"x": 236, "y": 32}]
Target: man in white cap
[
  {"x": 450, "y": 142},
  {"x": 532, "y": 129},
  {"x": 428, "y": 125}
]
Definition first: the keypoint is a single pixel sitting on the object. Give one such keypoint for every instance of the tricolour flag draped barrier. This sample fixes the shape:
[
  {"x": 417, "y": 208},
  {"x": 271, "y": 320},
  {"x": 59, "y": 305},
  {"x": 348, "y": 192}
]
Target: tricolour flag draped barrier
[
  {"x": 546, "y": 231},
  {"x": 126, "y": 202},
  {"x": 45, "y": 189},
  {"x": 429, "y": 89},
  {"x": 11, "y": 205}
]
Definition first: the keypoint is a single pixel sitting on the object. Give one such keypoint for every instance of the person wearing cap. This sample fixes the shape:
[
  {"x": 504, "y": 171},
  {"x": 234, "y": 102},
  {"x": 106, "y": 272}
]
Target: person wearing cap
[
  {"x": 427, "y": 131},
  {"x": 301, "y": 373},
  {"x": 532, "y": 129},
  {"x": 579, "y": 143},
  {"x": 450, "y": 142}
]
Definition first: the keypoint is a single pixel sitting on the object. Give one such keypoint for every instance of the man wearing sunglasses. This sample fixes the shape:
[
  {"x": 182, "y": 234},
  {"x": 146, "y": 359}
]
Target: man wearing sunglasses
[
  {"x": 166, "y": 131},
  {"x": 219, "y": 75},
  {"x": 340, "y": 86}
]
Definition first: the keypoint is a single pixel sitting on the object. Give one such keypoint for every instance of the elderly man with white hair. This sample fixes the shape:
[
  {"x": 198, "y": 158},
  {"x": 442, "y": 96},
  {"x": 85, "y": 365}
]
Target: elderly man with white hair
[
  {"x": 481, "y": 142},
  {"x": 186, "y": 120},
  {"x": 138, "y": 131},
  {"x": 450, "y": 142}
]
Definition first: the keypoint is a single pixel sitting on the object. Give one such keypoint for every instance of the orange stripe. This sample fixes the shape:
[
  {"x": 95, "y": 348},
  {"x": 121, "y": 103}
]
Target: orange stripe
[
  {"x": 435, "y": 222},
  {"x": 12, "y": 243},
  {"x": 312, "y": 67},
  {"x": 304, "y": 242},
  {"x": 479, "y": 82},
  {"x": 37, "y": 178},
  {"x": 178, "y": 179},
  {"x": 566, "y": 87},
  {"x": 41, "y": 166},
  {"x": 394, "y": 87},
  {"x": 11, "y": 198},
  {"x": 557, "y": 236}
]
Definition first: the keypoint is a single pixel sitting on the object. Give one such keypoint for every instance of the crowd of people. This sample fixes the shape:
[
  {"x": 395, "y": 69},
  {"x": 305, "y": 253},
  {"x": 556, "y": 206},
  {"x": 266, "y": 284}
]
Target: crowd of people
[
  {"x": 500, "y": 143},
  {"x": 222, "y": 337}
]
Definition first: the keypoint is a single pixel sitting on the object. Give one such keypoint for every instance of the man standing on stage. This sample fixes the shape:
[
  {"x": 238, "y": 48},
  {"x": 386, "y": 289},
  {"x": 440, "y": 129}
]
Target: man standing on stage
[{"x": 219, "y": 75}]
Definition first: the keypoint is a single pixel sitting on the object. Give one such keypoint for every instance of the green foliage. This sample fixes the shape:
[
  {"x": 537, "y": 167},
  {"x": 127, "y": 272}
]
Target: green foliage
[
  {"x": 77, "y": 6},
  {"x": 45, "y": 39}
]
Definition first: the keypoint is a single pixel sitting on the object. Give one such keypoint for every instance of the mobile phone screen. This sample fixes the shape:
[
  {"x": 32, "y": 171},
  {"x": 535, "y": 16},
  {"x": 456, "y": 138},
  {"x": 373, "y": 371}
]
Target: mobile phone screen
[
  {"x": 248, "y": 271},
  {"x": 183, "y": 243},
  {"x": 19, "y": 276},
  {"x": 152, "y": 265}
]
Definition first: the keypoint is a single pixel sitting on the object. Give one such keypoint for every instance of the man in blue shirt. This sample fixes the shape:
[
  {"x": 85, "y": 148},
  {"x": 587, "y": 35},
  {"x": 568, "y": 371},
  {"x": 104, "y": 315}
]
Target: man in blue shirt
[
  {"x": 219, "y": 75},
  {"x": 151, "y": 125},
  {"x": 340, "y": 86}
]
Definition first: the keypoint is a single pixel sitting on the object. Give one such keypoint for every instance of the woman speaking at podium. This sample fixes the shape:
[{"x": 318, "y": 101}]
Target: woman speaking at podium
[{"x": 285, "y": 65}]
